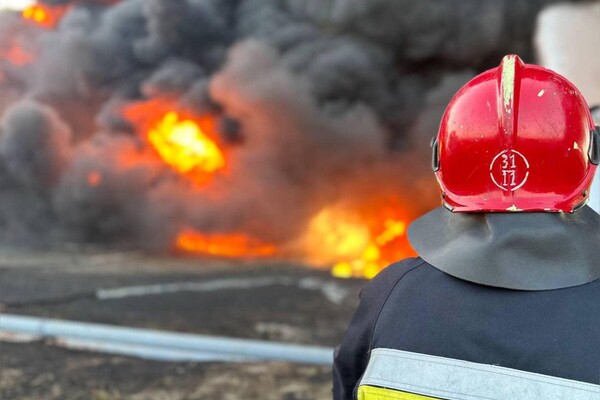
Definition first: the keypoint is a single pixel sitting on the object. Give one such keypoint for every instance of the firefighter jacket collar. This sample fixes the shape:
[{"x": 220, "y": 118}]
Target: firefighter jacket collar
[{"x": 523, "y": 251}]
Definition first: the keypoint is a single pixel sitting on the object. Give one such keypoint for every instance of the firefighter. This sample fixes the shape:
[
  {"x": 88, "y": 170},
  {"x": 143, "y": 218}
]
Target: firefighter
[{"x": 503, "y": 301}]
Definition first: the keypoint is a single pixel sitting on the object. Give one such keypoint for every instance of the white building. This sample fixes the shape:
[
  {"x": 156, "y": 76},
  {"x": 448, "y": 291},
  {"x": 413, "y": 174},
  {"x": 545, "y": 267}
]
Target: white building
[{"x": 567, "y": 39}]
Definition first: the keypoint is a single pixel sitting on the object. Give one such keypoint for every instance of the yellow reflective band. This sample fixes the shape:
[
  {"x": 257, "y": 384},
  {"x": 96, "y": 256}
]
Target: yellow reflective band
[{"x": 376, "y": 393}]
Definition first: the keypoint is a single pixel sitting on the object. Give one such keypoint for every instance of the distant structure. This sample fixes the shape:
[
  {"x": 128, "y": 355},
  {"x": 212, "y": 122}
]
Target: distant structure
[{"x": 566, "y": 42}]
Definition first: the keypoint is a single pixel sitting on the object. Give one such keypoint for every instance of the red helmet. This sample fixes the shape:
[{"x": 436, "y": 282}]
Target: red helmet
[{"x": 516, "y": 138}]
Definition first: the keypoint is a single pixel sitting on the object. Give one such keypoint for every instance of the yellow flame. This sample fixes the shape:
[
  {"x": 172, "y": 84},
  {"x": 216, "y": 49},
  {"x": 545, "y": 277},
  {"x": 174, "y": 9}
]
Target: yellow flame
[
  {"x": 334, "y": 235},
  {"x": 183, "y": 146},
  {"x": 44, "y": 15},
  {"x": 347, "y": 242},
  {"x": 393, "y": 229},
  {"x": 36, "y": 13},
  {"x": 371, "y": 260}
]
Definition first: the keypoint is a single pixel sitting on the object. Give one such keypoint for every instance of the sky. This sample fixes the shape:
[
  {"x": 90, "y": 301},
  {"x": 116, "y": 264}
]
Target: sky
[{"x": 15, "y": 4}]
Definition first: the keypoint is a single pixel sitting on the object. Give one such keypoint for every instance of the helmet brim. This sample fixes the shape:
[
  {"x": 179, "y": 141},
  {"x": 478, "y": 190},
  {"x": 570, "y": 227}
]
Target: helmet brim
[{"x": 524, "y": 251}]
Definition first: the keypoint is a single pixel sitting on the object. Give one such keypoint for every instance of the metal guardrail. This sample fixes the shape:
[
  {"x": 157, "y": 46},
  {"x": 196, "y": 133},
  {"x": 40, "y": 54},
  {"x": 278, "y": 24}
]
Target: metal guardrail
[{"x": 158, "y": 345}]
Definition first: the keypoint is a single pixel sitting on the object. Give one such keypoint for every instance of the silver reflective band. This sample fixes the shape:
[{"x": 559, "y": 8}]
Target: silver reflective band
[{"x": 452, "y": 379}]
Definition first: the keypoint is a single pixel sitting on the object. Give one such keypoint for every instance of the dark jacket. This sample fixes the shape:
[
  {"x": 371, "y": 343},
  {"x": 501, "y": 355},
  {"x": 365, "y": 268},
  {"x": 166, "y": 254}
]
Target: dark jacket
[{"x": 417, "y": 309}]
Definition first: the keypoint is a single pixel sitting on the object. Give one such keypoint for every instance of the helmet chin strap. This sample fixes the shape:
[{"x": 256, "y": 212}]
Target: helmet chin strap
[
  {"x": 524, "y": 251},
  {"x": 594, "y": 152}
]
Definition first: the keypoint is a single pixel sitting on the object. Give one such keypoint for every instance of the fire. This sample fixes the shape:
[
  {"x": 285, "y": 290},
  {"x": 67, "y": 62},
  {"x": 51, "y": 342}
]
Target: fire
[
  {"x": 183, "y": 145},
  {"x": 357, "y": 246},
  {"x": 44, "y": 15},
  {"x": 227, "y": 245},
  {"x": 94, "y": 178},
  {"x": 18, "y": 56},
  {"x": 371, "y": 259},
  {"x": 356, "y": 240}
]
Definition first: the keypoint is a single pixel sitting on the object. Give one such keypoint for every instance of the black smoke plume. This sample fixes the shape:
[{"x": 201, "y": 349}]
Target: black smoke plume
[{"x": 317, "y": 102}]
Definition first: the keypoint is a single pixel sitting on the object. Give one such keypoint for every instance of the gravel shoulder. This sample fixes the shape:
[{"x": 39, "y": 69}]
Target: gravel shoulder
[{"x": 36, "y": 371}]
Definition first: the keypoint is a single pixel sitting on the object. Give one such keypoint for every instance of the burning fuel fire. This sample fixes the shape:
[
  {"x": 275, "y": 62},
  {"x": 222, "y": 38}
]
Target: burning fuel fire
[
  {"x": 43, "y": 15},
  {"x": 371, "y": 259},
  {"x": 17, "y": 55},
  {"x": 231, "y": 245},
  {"x": 94, "y": 178},
  {"x": 357, "y": 246},
  {"x": 183, "y": 145},
  {"x": 15, "y": 49},
  {"x": 354, "y": 241},
  {"x": 333, "y": 238},
  {"x": 226, "y": 152}
]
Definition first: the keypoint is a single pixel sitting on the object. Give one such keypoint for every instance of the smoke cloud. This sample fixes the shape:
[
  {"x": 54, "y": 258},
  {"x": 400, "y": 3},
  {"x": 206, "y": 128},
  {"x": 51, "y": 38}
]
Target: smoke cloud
[{"x": 315, "y": 102}]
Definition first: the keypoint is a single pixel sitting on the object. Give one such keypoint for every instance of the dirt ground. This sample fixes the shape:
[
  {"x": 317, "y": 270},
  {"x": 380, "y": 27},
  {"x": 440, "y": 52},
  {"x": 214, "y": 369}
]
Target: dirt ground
[
  {"x": 36, "y": 371},
  {"x": 259, "y": 300}
]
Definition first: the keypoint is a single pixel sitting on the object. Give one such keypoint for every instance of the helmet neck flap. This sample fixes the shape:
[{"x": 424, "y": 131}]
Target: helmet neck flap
[{"x": 524, "y": 251}]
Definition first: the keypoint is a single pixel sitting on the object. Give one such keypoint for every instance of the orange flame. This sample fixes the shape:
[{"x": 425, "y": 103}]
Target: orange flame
[
  {"x": 16, "y": 55},
  {"x": 188, "y": 144},
  {"x": 354, "y": 245},
  {"x": 44, "y": 15},
  {"x": 230, "y": 245},
  {"x": 94, "y": 178},
  {"x": 185, "y": 147}
]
